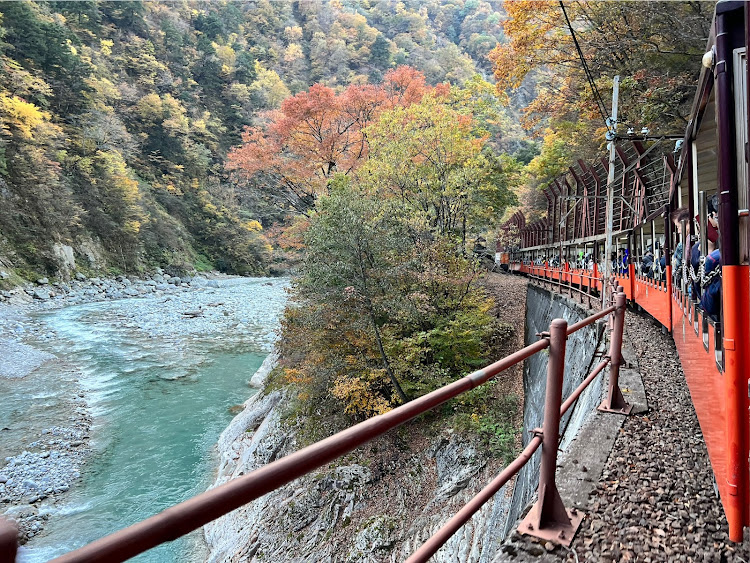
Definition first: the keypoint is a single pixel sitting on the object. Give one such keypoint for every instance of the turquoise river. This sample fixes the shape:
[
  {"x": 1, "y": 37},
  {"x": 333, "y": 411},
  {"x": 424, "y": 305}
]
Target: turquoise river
[{"x": 160, "y": 377}]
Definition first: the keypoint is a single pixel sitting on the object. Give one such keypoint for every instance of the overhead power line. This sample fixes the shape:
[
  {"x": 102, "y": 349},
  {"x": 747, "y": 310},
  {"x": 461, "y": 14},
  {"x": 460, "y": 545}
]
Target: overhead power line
[{"x": 594, "y": 89}]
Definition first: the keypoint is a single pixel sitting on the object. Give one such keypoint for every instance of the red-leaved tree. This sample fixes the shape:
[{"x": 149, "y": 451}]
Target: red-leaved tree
[{"x": 314, "y": 135}]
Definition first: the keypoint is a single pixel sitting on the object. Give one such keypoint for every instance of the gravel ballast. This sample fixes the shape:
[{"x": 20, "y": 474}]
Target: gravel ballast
[{"x": 656, "y": 499}]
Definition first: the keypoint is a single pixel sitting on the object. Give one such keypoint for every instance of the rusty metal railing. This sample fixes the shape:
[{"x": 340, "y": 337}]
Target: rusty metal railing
[
  {"x": 8, "y": 541},
  {"x": 191, "y": 514}
]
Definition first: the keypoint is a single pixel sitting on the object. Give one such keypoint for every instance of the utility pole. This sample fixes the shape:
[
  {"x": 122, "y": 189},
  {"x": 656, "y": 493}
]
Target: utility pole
[{"x": 612, "y": 124}]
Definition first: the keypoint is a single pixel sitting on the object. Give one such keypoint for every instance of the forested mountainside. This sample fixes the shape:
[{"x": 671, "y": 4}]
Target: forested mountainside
[{"x": 116, "y": 117}]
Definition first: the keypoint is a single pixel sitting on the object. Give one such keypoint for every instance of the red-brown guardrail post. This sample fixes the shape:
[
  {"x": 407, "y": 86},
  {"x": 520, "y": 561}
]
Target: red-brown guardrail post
[
  {"x": 8, "y": 541},
  {"x": 615, "y": 402},
  {"x": 548, "y": 519}
]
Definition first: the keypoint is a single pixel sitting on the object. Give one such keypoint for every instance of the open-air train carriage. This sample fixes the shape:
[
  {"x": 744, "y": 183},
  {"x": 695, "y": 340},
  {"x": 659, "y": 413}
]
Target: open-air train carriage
[{"x": 655, "y": 180}]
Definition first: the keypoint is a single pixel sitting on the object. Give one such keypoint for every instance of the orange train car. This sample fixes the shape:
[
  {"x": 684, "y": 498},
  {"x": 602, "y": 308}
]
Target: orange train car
[{"x": 663, "y": 222}]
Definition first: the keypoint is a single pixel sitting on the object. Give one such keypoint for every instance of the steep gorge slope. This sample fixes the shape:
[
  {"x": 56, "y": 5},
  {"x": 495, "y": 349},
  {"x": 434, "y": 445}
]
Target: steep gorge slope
[
  {"x": 378, "y": 503},
  {"x": 115, "y": 117}
]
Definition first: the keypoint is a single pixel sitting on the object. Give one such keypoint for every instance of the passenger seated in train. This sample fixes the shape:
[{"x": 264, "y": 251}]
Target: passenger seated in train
[
  {"x": 625, "y": 260},
  {"x": 680, "y": 217},
  {"x": 711, "y": 298},
  {"x": 663, "y": 267},
  {"x": 711, "y": 279},
  {"x": 647, "y": 264},
  {"x": 705, "y": 273},
  {"x": 622, "y": 261}
]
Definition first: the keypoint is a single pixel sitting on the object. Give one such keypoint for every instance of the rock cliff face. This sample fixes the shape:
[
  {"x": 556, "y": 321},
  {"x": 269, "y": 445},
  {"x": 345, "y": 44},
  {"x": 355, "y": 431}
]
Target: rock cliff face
[
  {"x": 376, "y": 510},
  {"x": 380, "y": 503}
]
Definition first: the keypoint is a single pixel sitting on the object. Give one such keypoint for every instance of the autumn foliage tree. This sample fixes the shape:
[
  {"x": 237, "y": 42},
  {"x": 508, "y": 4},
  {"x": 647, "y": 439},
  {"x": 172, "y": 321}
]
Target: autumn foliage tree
[
  {"x": 433, "y": 158},
  {"x": 384, "y": 311},
  {"x": 314, "y": 135},
  {"x": 388, "y": 306},
  {"x": 655, "y": 48}
]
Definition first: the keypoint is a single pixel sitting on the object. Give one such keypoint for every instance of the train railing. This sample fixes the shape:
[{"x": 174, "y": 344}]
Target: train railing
[
  {"x": 548, "y": 518},
  {"x": 581, "y": 284}
]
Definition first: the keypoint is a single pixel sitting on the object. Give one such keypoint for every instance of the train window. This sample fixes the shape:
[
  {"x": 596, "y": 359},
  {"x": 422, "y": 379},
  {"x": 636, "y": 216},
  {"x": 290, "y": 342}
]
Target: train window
[
  {"x": 743, "y": 199},
  {"x": 704, "y": 323}
]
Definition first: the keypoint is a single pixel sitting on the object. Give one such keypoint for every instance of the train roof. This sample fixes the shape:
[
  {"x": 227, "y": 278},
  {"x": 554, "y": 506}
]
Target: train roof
[{"x": 702, "y": 111}]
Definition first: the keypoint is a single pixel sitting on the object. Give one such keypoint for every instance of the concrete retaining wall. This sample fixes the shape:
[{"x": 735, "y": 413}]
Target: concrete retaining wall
[{"x": 580, "y": 358}]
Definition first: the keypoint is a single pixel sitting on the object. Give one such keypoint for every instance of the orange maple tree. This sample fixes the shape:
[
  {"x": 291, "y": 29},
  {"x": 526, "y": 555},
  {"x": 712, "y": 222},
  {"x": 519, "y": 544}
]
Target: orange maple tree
[{"x": 316, "y": 134}]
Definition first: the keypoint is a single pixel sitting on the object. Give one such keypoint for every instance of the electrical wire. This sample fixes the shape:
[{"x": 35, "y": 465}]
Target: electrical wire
[{"x": 594, "y": 89}]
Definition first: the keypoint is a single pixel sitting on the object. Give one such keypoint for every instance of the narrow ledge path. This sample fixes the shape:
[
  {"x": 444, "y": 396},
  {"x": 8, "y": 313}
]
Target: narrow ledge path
[{"x": 655, "y": 499}]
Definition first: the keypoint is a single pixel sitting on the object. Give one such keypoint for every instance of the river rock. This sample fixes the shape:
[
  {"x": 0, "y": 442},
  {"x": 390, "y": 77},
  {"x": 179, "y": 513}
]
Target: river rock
[
  {"x": 21, "y": 511},
  {"x": 457, "y": 463},
  {"x": 375, "y": 538},
  {"x": 41, "y": 294},
  {"x": 80, "y": 276},
  {"x": 260, "y": 376},
  {"x": 199, "y": 281},
  {"x": 65, "y": 257}
]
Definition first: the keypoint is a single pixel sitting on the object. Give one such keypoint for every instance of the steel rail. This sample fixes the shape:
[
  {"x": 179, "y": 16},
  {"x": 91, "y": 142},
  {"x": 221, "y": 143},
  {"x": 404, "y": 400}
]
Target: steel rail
[
  {"x": 585, "y": 383},
  {"x": 193, "y": 513},
  {"x": 430, "y": 547}
]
